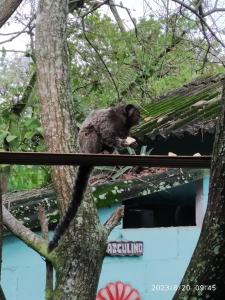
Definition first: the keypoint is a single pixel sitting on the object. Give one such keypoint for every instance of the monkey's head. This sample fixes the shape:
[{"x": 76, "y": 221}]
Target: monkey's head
[{"x": 133, "y": 115}]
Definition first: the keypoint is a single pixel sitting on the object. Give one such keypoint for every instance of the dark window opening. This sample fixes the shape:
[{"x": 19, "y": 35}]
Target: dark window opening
[{"x": 162, "y": 209}]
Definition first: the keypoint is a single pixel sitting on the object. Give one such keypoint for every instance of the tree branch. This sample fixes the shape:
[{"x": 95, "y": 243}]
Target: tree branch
[
  {"x": 44, "y": 228},
  {"x": 20, "y": 105},
  {"x": 43, "y": 221},
  {"x": 129, "y": 14},
  {"x": 16, "y": 34},
  {"x": 75, "y": 4},
  {"x": 194, "y": 11},
  {"x": 100, "y": 57},
  {"x": 26, "y": 235},
  {"x": 116, "y": 15},
  {"x": 13, "y": 51},
  {"x": 2, "y": 296},
  {"x": 212, "y": 11},
  {"x": 7, "y": 8},
  {"x": 114, "y": 219}
]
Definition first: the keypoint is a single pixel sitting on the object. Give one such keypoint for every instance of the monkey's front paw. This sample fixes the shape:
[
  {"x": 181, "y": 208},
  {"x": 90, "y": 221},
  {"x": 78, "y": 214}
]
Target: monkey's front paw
[{"x": 130, "y": 142}]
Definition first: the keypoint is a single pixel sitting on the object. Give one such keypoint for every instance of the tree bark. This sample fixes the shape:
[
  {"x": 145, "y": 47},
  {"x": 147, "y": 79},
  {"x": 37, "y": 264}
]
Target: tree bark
[
  {"x": 18, "y": 229},
  {"x": 116, "y": 15},
  {"x": 81, "y": 251},
  {"x": 7, "y": 8},
  {"x": 54, "y": 90},
  {"x": 204, "y": 278},
  {"x": 2, "y": 296}
]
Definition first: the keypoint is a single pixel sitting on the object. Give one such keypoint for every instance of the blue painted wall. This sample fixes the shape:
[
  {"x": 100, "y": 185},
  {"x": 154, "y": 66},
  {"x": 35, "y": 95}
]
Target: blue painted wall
[
  {"x": 167, "y": 252},
  {"x": 23, "y": 273}
]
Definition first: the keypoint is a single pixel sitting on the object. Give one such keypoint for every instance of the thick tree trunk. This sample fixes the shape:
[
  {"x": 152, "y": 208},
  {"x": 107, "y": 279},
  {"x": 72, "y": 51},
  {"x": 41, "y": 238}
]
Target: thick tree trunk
[
  {"x": 204, "y": 278},
  {"x": 81, "y": 251},
  {"x": 54, "y": 89},
  {"x": 84, "y": 247},
  {"x": 2, "y": 296}
]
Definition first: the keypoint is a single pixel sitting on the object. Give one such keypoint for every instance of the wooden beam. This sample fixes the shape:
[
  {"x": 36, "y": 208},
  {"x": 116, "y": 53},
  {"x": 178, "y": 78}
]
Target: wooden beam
[{"x": 40, "y": 158}]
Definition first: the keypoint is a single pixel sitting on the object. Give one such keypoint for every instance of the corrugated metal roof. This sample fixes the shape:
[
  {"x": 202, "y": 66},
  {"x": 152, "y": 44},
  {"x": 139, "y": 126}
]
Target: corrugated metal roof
[{"x": 191, "y": 108}]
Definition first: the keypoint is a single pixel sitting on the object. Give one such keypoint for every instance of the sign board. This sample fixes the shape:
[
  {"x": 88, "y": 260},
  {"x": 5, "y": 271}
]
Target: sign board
[{"x": 124, "y": 248}]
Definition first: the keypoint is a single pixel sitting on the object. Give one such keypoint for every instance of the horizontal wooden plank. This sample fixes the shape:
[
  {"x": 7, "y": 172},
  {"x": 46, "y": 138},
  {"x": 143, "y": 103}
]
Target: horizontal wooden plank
[{"x": 37, "y": 158}]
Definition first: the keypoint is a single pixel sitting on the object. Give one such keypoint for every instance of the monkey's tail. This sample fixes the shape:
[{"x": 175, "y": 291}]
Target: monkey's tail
[{"x": 80, "y": 186}]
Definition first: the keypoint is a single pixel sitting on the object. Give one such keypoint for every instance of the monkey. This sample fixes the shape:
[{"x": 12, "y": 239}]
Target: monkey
[{"x": 103, "y": 131}]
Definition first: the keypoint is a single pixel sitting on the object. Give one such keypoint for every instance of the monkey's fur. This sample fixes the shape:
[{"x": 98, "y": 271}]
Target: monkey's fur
[{"x": 103, "y": 130}]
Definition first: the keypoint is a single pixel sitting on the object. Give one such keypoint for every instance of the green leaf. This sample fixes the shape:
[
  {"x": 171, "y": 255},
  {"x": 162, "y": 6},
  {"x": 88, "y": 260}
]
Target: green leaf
[
  {"x": 121, "y": 172},
  {"x": 105, "y": 168},
  {"x": 3, "y": 135},
  {"x": 143, "y": 150},
  {"x": 131, "y": 151},
  {"x": 11, "y": 138}
]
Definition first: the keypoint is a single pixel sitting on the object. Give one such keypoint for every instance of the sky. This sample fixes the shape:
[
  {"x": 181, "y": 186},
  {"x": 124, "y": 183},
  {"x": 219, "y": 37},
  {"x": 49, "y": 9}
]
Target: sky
[{"x": 137, "y": 9}]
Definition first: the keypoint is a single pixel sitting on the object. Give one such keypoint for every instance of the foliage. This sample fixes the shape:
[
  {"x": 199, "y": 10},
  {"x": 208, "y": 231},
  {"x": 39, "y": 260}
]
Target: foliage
[
  {"x": 28, "y": 177},
  {"x": 116, "y": 172},
  {"x": 20, "y": 131},
  {"x": 143, "y": 66},
  {"x": 145, "y": 63}
]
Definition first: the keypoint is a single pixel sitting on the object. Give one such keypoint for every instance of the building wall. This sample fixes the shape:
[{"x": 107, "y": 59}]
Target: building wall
[
  {"x": 167, "y": 252},
  {"x": 23, "y": 271},
  {"x": 166, "y": 256}
]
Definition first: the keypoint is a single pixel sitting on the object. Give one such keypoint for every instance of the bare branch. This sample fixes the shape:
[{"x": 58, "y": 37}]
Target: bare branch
[
  {"x": 43, "y": 221},
  {"x": 194, "y": 11},
  {"x": 94, "y": 7},
  {"x": 26, "y": 235},
  {"x": 13, "y": 37},
  {"x": 19, "y": 106},
  {"x": 212, "y": 11},
  {"x": 114, "y": 219},
  {"x": 7, "y": 8},
  {"x": 10, "y": 33},
  {"x": 44, "y": 228},
  {"x": 200, "y": 9},
  {"x": 13, "y": 51},
  {"x": 24, "y": 30},
  {"x": 129, "y": 14},
  {"x": 183, "y": 4},
  {"x": 116, "y": 15}
]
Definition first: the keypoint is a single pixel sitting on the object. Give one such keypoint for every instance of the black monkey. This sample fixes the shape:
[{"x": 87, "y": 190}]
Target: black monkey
[{"x": 102, "y": 131}]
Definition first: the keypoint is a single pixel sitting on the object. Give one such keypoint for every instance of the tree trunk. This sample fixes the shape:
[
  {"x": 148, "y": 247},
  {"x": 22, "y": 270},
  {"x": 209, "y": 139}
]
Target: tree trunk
[
  {"x": 54, "y": 90},
  {"x": 84, "y": 244},
  {"x": 2, "y": 296},
  {"x": 81, "y": 251},
  {"x": 204, "y": 278}
]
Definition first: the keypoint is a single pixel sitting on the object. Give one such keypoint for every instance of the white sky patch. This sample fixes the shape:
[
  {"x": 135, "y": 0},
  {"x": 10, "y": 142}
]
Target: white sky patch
[
  {"x": 137, "y": 8},
  {"x": 16, "y": 41},
  {"x": 21, "y": 42}
]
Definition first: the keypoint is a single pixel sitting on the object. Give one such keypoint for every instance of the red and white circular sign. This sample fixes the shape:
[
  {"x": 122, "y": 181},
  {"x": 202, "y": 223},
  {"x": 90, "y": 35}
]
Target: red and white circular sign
[{"x": 118, "y": 291}]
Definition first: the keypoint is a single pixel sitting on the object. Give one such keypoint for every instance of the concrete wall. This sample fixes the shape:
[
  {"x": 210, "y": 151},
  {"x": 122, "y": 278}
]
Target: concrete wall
[
  {"x": 167, "y": 252},
  {"x": 23, "y": 273}
]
